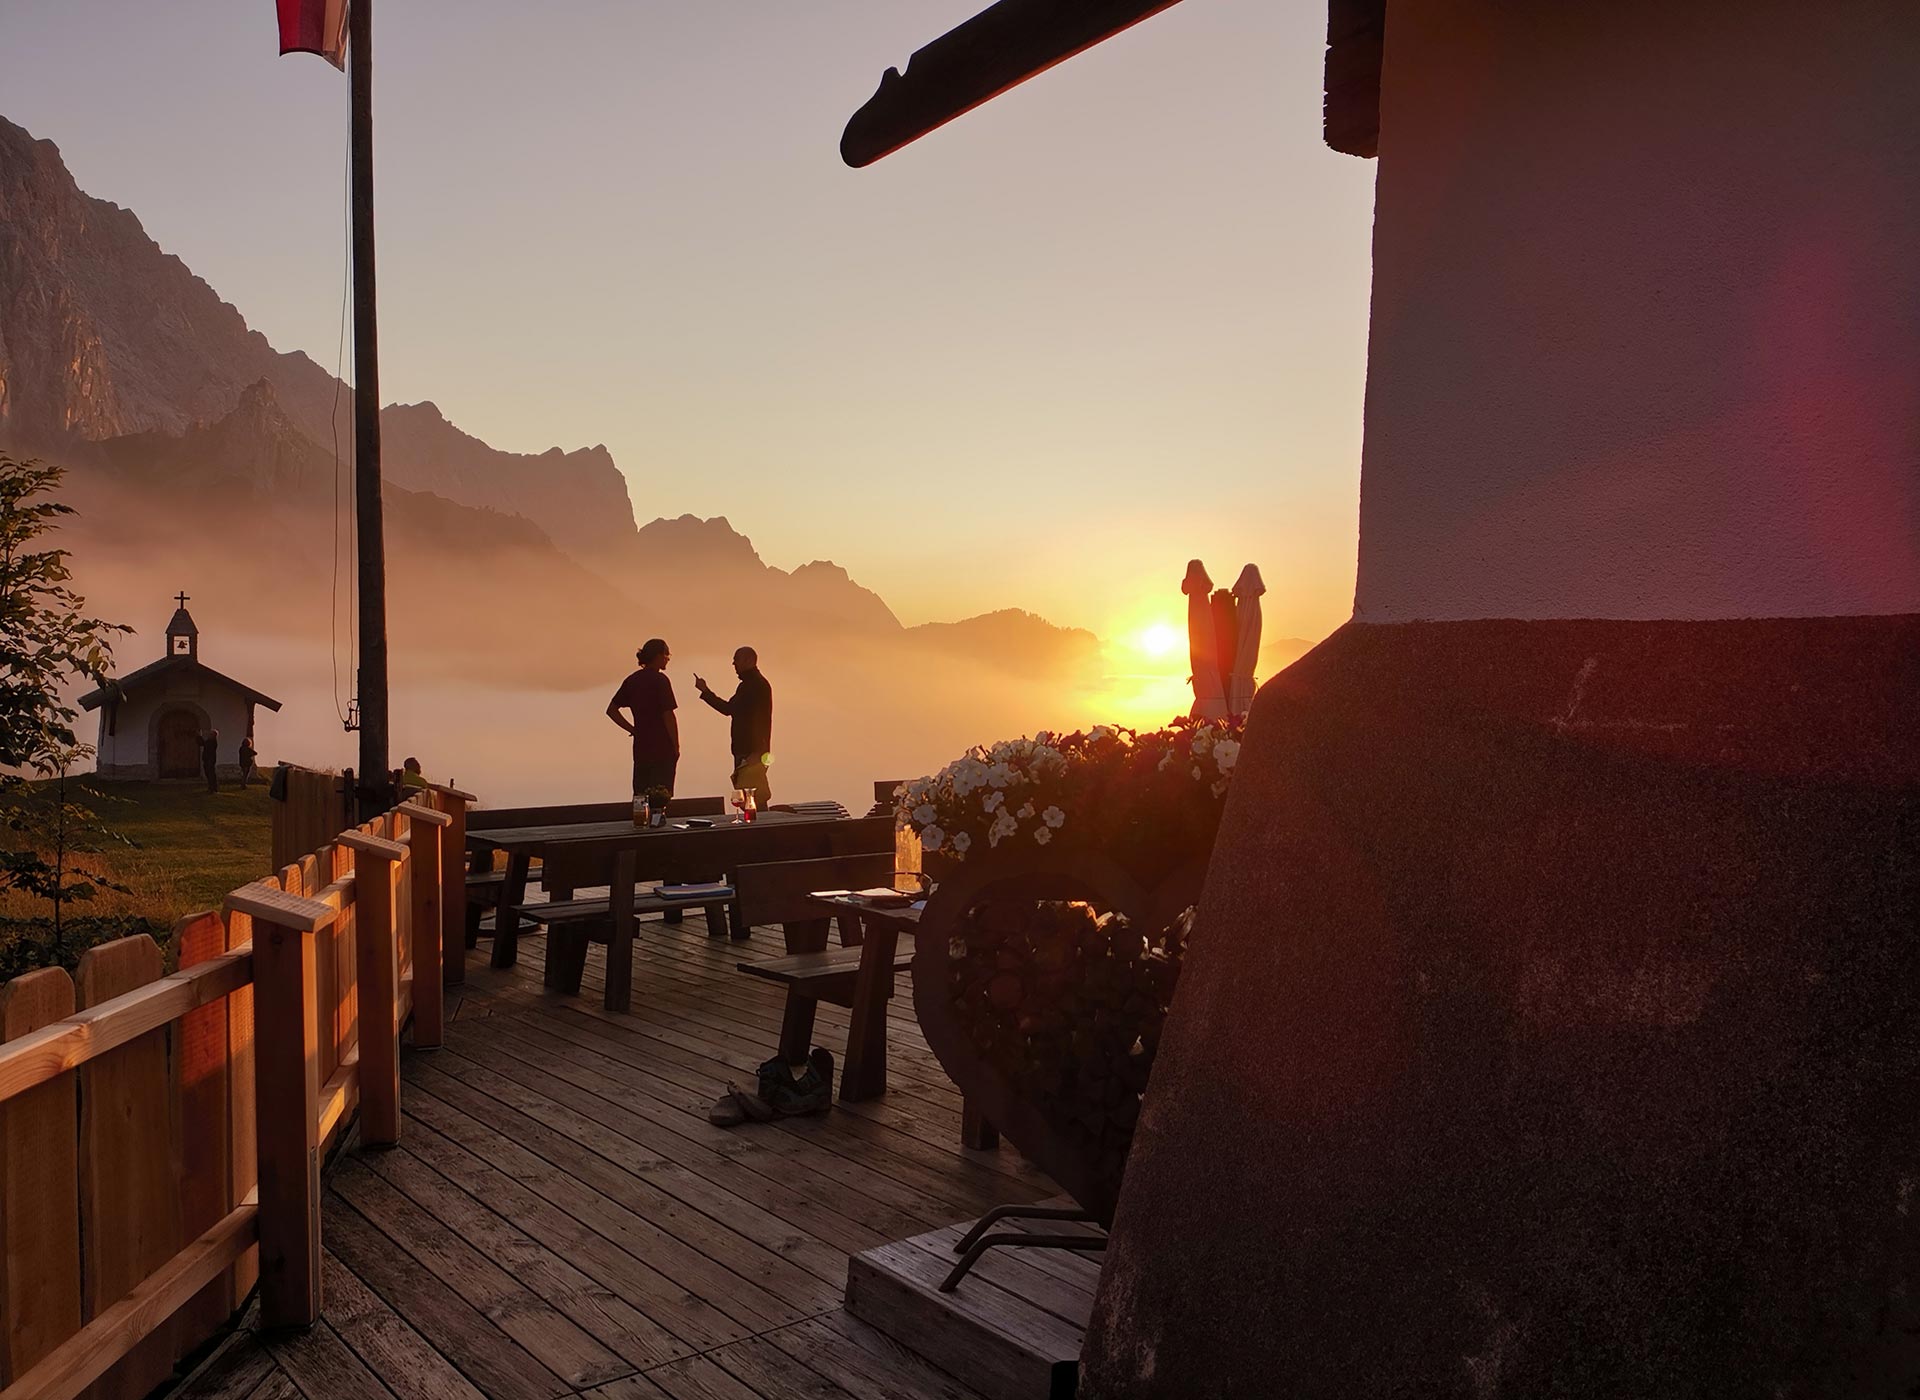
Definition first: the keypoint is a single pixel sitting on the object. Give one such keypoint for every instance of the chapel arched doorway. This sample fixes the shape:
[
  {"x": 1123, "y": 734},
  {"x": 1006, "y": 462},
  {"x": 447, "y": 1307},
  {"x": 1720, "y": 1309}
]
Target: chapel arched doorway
[{"x": 177, "y": 745}]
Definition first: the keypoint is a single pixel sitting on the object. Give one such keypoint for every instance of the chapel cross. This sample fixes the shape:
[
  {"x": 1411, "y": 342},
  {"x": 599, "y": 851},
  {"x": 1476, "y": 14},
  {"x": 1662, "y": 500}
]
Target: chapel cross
[{"x": 182, "y": 596}]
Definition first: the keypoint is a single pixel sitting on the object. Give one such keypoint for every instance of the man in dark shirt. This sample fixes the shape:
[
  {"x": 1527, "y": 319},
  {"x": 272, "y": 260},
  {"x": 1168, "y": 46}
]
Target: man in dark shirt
[
  {"x": 647, "y": 695},
  {"x": 752, "y": 711},
  {"x": 210, "y": 758}
]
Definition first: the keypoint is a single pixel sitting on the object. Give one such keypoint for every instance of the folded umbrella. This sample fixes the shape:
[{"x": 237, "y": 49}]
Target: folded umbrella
[
  {"x": 1203, "y": 645},
  {"x": 1246, "y": 652}
]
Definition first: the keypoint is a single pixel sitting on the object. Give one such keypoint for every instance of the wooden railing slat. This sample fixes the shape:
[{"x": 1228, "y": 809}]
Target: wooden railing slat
[
  {"x": 243, "y": 1174},
  {"x": 39, "y": 1189},
  {"x": 202, "y": 1054},
  {"x": 129, "y": 1163}
]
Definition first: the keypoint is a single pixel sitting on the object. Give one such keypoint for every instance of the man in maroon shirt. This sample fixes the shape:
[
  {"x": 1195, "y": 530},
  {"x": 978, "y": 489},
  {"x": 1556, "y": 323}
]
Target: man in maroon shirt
[{"x": 647, "y": 695}]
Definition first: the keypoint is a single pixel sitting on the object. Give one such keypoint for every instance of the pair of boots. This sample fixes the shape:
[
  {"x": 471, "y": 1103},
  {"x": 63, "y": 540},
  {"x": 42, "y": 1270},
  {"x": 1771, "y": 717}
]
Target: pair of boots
[{"x": 782, "y": 1093}]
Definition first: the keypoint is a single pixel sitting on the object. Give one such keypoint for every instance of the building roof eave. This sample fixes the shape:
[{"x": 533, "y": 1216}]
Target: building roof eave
[{"x": 1009, "y": 42}]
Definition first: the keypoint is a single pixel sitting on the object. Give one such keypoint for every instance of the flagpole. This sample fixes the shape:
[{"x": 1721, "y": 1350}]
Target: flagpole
[{"x": 368, "y": 518}]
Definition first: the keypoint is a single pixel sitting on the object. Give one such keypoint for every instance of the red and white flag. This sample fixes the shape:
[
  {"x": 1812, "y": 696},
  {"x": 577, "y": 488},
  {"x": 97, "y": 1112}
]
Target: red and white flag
[{"x": 315, "y": 26}]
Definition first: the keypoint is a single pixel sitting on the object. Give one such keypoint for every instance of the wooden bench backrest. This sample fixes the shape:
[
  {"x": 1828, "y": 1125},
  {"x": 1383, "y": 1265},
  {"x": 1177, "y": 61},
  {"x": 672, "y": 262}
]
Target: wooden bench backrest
[
  {"x": 776, "y": 892},
  {"x": 495, "y": 818},
  {"x": 587, "y": 865}
]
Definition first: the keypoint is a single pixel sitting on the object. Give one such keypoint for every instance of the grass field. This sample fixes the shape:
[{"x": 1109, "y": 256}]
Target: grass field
[{"x": 190, "y": 847}]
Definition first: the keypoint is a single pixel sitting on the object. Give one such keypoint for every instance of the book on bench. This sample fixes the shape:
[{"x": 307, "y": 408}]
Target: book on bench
[
  {"x": 704, "y": 892},
  {"x": 884, "y": 897}
]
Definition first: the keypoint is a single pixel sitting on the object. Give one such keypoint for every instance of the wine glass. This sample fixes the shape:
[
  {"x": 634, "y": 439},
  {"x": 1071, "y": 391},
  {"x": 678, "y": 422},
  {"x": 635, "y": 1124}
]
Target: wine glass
[{"x": 737, "y": 799}]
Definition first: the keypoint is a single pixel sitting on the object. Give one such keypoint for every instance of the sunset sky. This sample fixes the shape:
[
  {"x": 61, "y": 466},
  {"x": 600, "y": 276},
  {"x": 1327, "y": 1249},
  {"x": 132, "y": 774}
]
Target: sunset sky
[{"x": 1111, "y": 320}]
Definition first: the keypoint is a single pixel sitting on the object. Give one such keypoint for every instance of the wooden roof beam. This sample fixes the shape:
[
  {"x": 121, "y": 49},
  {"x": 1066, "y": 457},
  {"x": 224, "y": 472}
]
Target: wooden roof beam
[{"x": 999, "y": 48}]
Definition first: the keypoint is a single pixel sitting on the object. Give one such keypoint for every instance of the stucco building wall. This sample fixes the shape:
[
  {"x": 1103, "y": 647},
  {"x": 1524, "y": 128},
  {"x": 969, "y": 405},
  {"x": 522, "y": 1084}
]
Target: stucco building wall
[
  {"x": 128, "y": 751},
  {"x": 1614, "y": 370}
]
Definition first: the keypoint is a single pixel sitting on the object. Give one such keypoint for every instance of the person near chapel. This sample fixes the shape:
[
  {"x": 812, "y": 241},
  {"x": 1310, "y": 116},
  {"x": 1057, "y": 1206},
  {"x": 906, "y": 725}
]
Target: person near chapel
[
  {"x": 210, "y": 758},
  {"x": 248, "y": 757},
  {"x": 411, "y": 775},
  {"x": 751, "y": 709},
  {"x": 647, "y": 697}
]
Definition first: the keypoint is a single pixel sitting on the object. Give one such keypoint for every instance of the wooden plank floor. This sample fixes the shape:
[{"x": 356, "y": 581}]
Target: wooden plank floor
[{"x": 560, "y": 1218}]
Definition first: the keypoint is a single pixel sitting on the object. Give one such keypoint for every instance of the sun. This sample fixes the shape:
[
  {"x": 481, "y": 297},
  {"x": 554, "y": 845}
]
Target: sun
[{"x": 1159, "y": 639}]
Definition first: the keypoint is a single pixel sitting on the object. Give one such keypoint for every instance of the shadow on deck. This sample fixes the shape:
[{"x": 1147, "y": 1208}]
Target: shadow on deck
[{"x": 560, "y": 1217}]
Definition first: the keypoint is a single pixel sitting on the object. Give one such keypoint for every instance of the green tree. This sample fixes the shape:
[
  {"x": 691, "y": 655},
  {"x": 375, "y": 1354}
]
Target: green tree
[{"x": 47, "y": 641}]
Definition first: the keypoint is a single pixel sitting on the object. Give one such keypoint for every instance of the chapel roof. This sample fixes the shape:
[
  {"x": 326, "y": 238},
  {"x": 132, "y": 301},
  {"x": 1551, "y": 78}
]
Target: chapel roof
[{"x": 123, "y": 687}]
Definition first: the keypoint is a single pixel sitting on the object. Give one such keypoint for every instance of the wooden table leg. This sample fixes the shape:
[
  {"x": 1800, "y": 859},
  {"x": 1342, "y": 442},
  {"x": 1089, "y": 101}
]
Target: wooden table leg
[
  {"x": 975, "y": 1130},
  {"x": 796, "y": 1028},
  {"x": 620, "y": 940},
  {"x": 864, "y": 1075},
  {"x": 506, "y": 923}
]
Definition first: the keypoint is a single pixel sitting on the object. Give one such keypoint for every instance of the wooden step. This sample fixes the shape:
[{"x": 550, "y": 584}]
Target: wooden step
[{"x": 1012, "y": 1330}]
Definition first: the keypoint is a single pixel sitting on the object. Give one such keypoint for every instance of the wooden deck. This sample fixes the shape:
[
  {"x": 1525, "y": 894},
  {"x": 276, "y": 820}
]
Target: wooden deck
[{"x": 560, "y": 1218}]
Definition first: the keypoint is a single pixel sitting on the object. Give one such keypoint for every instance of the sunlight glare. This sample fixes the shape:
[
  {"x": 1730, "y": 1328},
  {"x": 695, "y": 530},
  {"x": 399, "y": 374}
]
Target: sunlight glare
[{"x": 1160, "y": 639}]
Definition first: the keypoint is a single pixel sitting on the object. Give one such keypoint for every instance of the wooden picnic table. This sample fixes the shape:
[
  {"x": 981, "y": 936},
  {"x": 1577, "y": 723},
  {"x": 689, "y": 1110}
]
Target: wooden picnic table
[{"x": 678, "y": 850}]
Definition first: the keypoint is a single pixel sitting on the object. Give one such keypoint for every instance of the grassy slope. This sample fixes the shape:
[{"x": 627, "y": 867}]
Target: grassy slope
[{"x": 193, "y": 845}]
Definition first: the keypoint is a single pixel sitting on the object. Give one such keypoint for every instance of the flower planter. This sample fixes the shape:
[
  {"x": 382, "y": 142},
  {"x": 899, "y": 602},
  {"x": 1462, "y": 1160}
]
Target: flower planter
[{"x": 1047, "y": 1018}]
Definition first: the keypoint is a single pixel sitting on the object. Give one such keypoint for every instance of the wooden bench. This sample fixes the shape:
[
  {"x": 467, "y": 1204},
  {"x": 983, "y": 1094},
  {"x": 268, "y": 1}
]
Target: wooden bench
[
  {"x": 860, "y": 979},
  {"x": 780, "y": 892},
  {"x": 572, "y": 924}
]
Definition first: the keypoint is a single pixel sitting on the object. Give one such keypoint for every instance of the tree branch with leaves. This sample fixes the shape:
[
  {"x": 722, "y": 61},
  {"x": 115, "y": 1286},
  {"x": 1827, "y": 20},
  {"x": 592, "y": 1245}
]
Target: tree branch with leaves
[{"x": 47, "y": 641}]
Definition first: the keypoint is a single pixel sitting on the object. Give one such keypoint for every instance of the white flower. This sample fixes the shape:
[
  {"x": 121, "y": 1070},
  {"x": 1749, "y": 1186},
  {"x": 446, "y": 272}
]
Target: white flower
[
  {"x": 932, "y": 838},
  {"x": 1099, "y": 732},
  {"x": 1166, "y": 761},
  {"x": 1219, "y": 787},
  {"x": 1054, "y": 817},
  {"x": 961, "y": 840},
  {"x": 1025, "y": 813},
  {"x": 1042, "y": 834},
  {"x": 1001, "y": 775},
  {"x": 924, "y": 815},
  {"x": 1196, "y": 770},
  {"x": 1003, "y": 826},
  {"x": 1226, "y": 753},
  {"x": 992, "y": 801}
]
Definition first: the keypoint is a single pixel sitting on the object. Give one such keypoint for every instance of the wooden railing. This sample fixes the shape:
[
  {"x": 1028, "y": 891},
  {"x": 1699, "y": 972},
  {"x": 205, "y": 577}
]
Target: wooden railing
[
  {"x": 310, "y": 808},
  {"x": 155, "y": 1130}
]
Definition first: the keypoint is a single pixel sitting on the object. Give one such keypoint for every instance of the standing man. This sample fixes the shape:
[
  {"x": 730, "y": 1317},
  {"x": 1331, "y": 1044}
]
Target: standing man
[
  {"x": 752, "y": 711},
  {"x": 247, "y": 756},
  {"x": 210, "y": 758},
  {"x": 647, "y": 695}
]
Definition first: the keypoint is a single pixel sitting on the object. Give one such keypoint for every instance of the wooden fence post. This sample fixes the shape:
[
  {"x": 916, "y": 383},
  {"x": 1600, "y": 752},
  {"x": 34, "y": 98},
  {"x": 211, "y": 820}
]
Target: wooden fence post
[
  {"x": 424, "y": 839},
  {"x": 287, "y": 1120},
  {"x": 453, "y": 883},
  {"x": 376, "y": 924}
]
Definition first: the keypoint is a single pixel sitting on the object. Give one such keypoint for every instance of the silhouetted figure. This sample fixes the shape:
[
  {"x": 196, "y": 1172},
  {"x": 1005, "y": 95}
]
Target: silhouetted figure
[
  {"x": 647, "y": 695},
  {"x": 247, "y": 756},
  {"x": 751, "y": 707},
  {"x": 411, "y": 776},
  {"x": 210, "y": 758}
]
